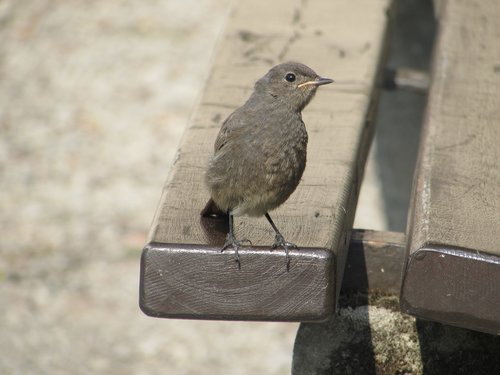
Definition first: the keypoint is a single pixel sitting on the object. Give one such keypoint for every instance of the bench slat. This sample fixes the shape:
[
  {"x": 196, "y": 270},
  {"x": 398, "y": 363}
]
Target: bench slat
[
  {"x": 183, "y": 273},
  {"x": 453, "y": 266}
]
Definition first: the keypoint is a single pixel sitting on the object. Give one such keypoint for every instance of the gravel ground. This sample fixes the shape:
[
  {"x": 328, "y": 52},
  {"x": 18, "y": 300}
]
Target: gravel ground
[{"x": 94, "y": 96}]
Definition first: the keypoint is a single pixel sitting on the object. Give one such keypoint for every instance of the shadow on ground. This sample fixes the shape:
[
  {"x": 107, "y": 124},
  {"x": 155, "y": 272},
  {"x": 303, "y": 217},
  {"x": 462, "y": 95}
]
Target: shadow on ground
[{"x": 378, "y": 339}]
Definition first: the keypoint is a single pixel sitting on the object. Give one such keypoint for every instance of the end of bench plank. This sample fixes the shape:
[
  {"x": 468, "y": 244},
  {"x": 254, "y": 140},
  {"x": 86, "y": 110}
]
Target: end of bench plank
[
  {"x": 201, "y": 282},
  {"x": 183, "y": 272},
  {"x": 453, "y": 285}
]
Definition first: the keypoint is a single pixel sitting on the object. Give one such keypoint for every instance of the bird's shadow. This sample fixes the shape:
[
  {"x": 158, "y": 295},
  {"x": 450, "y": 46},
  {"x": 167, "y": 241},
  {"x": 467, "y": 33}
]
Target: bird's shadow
[{"x": 215, "y": 228}]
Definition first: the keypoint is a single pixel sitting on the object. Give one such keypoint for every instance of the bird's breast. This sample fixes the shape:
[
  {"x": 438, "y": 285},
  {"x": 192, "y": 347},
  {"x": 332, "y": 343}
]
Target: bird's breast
[{"x": 286, "y": 156}]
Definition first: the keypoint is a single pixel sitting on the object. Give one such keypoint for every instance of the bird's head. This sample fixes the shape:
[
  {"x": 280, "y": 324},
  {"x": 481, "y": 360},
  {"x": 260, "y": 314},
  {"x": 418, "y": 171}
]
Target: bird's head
[{"x": 292, "y": 82}]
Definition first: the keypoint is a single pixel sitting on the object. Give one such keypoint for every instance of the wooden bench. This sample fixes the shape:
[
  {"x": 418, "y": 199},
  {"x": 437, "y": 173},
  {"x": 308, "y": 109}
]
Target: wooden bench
[
  {"x": 183, "y": 272},
  {"x": 452, "y": 270}
]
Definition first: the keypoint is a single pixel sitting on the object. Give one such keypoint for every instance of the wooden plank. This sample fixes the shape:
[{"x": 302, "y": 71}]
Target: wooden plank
[
  {"x": 374, "y": 262},
  {"x": 453, "y": 266},
  {"x": 183, "y": 250}
]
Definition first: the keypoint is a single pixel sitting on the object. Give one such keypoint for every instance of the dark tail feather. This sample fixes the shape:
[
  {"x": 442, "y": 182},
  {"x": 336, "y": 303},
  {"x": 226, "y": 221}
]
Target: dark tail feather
[{"x": 211, "y": 210}]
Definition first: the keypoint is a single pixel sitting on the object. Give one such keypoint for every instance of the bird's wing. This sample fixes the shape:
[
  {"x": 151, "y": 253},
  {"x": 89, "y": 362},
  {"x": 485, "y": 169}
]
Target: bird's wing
[
  {"x": 227, "y": 130},
  {"x": 223, "y": 134}
]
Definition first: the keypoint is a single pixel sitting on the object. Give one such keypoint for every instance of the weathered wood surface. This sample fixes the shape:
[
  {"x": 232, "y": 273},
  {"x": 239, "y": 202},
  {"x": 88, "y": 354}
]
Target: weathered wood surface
[
  {"x": 374, "y": 261},
  {"x": 453, "y": 267},
  {"x": 183, "y": 273}
]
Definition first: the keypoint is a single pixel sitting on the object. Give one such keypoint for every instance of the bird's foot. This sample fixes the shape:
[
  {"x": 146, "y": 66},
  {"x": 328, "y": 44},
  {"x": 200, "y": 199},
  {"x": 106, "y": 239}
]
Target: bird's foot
[
  {"x": 279, "y": 241},
  {"x": 231, "y": 241}
]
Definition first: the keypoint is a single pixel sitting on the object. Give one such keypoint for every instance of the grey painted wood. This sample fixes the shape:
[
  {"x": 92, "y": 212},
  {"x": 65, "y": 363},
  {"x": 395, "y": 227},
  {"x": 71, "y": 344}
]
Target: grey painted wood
[
  {"x": 183, "y": 247},
  {"x": 453, "y": 266}
]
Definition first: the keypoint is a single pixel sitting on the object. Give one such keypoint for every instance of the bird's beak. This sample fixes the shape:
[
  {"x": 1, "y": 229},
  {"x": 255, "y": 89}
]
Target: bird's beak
[{"x": 317, "y": 82}]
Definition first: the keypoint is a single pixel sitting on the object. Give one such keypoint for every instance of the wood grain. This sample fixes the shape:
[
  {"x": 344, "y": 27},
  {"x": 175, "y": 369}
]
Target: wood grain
[
  {"x": 178, "y": 285},
  {"x": 454, "y": 230},
  {"x": 320, "y": 213},
  {"x": 374, "y": 264}
]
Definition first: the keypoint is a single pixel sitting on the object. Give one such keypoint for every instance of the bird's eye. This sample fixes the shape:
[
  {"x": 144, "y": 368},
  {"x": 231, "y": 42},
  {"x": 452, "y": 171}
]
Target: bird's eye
[{"x": 290, "y": 77}]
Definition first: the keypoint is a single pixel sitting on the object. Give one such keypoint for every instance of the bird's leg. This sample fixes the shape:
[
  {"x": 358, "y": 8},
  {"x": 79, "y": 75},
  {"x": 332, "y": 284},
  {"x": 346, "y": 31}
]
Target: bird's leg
[
  {"x": 279, "y": 241},
  {"x": 232, "y": 241}
]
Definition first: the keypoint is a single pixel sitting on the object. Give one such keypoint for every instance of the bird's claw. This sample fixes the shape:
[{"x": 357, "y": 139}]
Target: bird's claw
[
  {"x": 231, "y": 241},
  {"x": 279, "y": 241}
]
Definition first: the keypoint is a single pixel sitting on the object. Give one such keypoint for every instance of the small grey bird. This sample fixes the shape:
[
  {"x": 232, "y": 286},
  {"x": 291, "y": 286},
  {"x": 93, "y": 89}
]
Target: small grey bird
[{"x": 260, "y": 152}]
